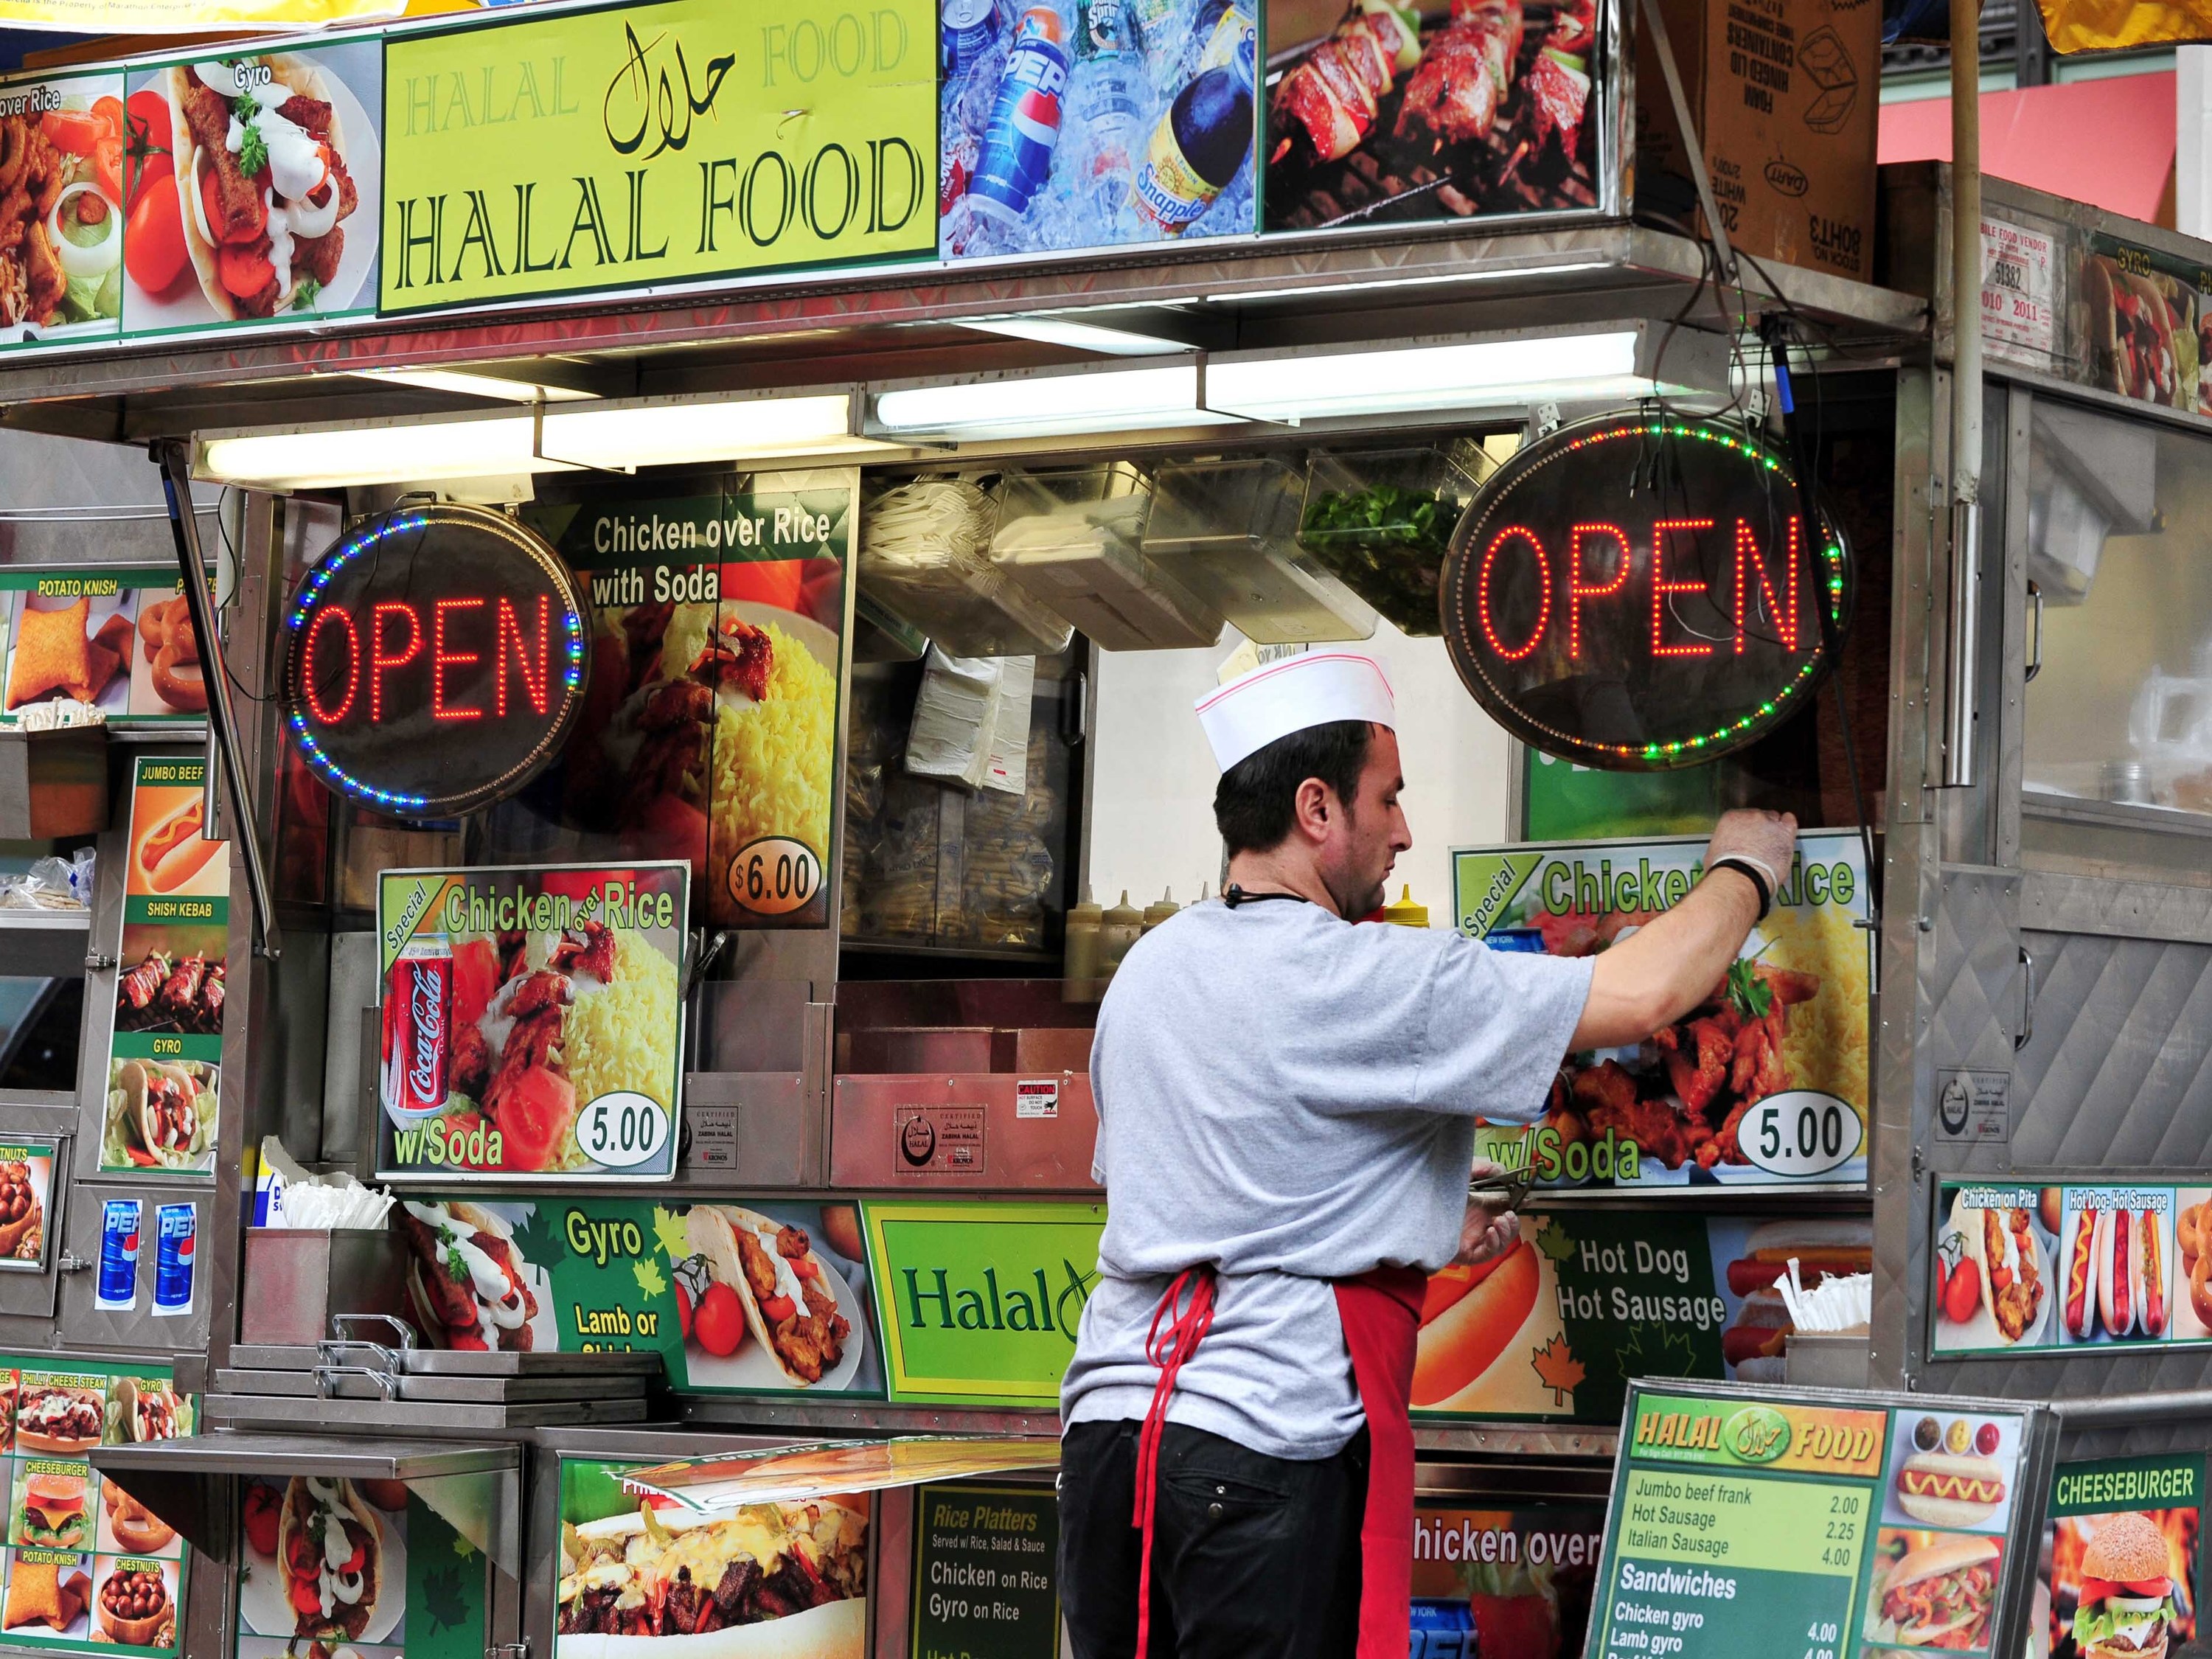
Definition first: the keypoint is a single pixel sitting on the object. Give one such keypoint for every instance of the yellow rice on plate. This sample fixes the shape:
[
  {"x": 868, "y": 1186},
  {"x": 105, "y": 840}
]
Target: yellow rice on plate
[
  {"x": 1826, "y": 1045},
  {"x": 623, "y": 1035}
]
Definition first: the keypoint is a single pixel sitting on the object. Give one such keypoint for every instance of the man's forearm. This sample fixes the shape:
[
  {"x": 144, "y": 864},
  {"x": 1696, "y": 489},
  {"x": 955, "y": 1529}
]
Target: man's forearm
[{"x": 1670, "y": 964}]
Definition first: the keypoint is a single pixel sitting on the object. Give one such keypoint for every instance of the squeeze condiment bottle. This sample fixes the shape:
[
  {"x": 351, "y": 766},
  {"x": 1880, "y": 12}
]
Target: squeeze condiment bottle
[
  {"x": 1118, "y": 930},
  {"x": 1160, "y": 909},
  {"x": 1079, "y": 961},
  {"x": 1405, "y": 913}
]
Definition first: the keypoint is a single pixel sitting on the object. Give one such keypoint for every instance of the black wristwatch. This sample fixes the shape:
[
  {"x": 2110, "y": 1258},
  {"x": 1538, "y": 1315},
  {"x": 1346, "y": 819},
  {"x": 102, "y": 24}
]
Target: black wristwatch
[{"x": 1750, "y": 872}]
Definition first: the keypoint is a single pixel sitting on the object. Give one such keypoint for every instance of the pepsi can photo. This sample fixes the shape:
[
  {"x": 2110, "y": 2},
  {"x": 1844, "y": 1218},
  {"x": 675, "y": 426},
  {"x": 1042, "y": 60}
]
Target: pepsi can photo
[
  {"x": 119, "y": 1220},
  {"x": 176, "y": 1229}
]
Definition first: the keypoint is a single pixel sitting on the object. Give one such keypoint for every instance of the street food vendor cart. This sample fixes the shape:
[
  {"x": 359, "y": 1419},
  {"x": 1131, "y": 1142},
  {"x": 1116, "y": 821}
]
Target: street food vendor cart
[{"x": 698, "y": 599}]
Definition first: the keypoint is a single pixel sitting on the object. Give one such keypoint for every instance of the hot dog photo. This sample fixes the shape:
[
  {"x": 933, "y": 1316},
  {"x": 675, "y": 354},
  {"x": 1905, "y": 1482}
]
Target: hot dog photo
[
  {"x": 1952, "y": 1470},
  {"x": 2118, "y": 1281}
]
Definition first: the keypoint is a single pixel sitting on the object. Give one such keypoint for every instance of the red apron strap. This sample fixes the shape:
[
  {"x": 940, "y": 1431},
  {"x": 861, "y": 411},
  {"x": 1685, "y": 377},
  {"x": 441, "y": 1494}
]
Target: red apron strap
[
  {"x": 1186, "y": 1329},
  {"x": 1381, "y": 1315}
]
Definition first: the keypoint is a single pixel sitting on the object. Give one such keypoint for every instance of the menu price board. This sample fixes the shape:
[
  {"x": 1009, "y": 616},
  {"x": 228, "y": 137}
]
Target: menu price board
[
  {"x": 165, "y": 1044},
  {"x": 1782, "y": 1522},
  {"x": 2121, "y": 1565},
  {"x": 86, "y": 1568},
  {"x": 115, "y": 637},
  {"x": 709, "y": 726},
  {"x": 532, "y": 1020},
  {"x": 614, "y": 1274},
  {"x": 985, "y": 1579},
  {"x": 2048, "y": 1269},
  {"x": 1764, "y": 1084}
]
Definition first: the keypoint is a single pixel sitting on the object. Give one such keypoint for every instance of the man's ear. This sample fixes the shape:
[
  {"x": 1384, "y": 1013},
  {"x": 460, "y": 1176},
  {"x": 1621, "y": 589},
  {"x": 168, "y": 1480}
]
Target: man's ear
[{"x": 1313, "y": 804}]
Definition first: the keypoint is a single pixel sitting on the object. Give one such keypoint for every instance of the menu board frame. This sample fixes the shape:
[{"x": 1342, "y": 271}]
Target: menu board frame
[{"x": 2034, "y": 1454}]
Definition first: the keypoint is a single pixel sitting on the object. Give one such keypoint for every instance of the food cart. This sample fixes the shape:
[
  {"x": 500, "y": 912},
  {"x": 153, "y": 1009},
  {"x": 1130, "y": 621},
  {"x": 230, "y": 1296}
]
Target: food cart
[{"x": 606, "y": 863}]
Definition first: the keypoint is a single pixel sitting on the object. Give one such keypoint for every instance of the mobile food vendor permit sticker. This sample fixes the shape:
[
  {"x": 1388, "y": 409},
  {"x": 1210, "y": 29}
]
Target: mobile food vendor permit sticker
[
  {"x": 532, "y": 1020},
  {"x": 1764, "y": 1083}
]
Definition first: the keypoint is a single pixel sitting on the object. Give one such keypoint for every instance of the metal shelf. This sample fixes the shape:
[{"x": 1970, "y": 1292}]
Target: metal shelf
[{"x": 43, "y": 944}]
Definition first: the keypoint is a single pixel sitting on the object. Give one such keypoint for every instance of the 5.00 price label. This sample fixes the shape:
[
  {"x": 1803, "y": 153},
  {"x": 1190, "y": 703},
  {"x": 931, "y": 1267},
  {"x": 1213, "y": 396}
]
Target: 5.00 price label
[
  {"x": 622, "y": 1130},
  {"x": 1801, "y": 1132},
  {"x": 774, "y": 877}
]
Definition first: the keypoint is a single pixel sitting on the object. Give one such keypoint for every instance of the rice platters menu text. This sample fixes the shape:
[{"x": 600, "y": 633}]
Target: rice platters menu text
[
  {"x": 165, "y": 1049},
  {"x": 1764, "y": 1084},
  {"x": 709, "y": 727},
  {"x": 532, "y": 1020},
  {"x": 1778, "y": 1525}
]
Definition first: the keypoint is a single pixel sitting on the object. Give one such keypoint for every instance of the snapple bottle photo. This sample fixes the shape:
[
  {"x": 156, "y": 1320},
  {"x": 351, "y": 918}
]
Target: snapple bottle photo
[{"x": 418, "y": 1030}]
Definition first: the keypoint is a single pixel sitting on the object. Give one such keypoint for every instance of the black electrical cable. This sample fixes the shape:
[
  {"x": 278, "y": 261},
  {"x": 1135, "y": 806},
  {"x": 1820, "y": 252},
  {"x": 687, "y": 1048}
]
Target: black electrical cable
[{"x": 1772, "y": 332}]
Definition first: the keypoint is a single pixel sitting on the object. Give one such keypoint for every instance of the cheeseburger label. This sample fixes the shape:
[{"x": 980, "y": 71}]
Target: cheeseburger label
[
  {"x": 2119, "y": 1568},
  {"x": 1764, "y": 1084}
]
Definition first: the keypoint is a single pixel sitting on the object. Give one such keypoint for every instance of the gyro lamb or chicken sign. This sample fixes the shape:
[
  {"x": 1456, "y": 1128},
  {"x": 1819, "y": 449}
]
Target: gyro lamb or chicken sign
[
  {"x": 434, "y": 660},
  {"x": 1638, "y": 593}
]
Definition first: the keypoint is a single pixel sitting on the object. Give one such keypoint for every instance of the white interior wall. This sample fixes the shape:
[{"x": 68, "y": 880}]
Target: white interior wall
[{"x": 1152, "y": 804}]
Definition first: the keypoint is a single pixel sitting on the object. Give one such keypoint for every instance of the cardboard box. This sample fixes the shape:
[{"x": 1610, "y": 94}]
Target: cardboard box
[{"x": 1786, "y": 94}]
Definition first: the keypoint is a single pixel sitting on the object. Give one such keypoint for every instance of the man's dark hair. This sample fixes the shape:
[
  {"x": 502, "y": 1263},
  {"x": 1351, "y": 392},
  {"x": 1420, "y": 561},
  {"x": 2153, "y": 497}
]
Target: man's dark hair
[{"x": 1256, "y": 801}]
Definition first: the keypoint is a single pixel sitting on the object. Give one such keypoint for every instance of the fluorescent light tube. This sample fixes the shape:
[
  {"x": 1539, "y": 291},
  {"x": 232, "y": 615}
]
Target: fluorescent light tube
[
  {"x": 1477, "y": 375},
  {"x": 403, "y": 453},
  {"x": 1039, "y": 406},
  {"x": 661, "y": 434},
  {"x": 474, "y": 385},
  {"x": 1080, "y": 337}
]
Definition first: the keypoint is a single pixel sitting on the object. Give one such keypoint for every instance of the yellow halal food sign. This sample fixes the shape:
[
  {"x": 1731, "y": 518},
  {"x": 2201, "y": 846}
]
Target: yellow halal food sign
[{"x": 657, "y": 143}]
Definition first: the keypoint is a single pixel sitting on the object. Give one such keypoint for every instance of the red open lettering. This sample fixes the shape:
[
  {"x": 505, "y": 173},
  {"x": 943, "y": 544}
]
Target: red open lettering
[
  {"x": 1662, "y": 588},
  {"x": 1544, "y": 602},
  {"x": 442, "y": 659},
  {"x": 1577, "y": 590},
  {"x": 510, "y": 626},
  {"x": 380, "y": 659},
  {"x": 322, "y": 712},
  {"x": 1784, "y": 613}
]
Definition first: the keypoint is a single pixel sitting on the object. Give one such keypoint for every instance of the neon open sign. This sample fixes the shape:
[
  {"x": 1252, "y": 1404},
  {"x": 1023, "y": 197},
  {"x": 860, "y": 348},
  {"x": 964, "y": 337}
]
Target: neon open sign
[
  {"x": 1638, "y": 593},
  {"x": 435, "y": 659}
]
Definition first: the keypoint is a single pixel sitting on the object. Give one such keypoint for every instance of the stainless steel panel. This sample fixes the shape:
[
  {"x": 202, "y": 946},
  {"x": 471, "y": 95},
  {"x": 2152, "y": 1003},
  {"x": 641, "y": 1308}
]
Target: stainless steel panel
[
  {"x": 348, "y": 1053},
  {"x": 1016, "y": 1152},
  {"x": 2116, "y": 1077},
  {"x": 1977, "y": 1004},
  {"x": 83, "y": 1325},
  {"x": 349, "y": 1457},
  {"x": 43, "y": 944},
  {"x": 262, "y": 1412},
  {"x": 765, "y": 1114},
  {"x": 2123, "y": 909}
]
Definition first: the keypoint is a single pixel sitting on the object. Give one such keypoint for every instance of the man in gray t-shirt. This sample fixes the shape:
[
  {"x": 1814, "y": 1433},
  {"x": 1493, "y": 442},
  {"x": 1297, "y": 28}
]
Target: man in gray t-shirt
[{"x": 1287, "y": 1106}]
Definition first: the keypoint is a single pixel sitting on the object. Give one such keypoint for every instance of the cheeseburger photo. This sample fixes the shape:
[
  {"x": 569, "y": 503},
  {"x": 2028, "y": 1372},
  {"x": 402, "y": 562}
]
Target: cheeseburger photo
[{"x": 2126, "y": 1605}]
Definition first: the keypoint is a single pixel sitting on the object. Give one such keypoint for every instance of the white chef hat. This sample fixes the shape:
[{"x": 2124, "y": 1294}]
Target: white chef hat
[{"x": 1278, "y": 698}]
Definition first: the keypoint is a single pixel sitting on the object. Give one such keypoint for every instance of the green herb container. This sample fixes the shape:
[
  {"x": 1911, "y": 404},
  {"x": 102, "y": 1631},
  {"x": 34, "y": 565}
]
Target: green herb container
[{"x": 1381, "y": 521}]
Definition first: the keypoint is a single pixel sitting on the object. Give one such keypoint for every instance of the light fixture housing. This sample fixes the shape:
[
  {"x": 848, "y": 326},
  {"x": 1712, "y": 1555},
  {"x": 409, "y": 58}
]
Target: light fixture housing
[
  {"x": 1078, "y": 337},
  {"x": 1457, "y": 375},
  {"x": 468, "y": 384},
  {"x": 614, "y": 436},
  {"x": 1155, "y": 396}
]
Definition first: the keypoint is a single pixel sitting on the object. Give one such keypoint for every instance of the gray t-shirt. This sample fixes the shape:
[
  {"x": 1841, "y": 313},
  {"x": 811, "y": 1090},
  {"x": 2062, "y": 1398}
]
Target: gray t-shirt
[{"x": 1292, "y": 1099}]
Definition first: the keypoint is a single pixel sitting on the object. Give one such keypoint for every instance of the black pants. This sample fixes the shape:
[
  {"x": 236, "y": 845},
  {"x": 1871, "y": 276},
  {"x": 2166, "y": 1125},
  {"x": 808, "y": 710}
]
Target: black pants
[{"x": 1253, "y": 1557}]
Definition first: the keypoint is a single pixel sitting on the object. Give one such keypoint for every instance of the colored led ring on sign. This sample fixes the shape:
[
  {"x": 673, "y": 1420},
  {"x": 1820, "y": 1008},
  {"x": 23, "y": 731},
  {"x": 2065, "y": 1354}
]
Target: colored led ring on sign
[
  {"x": 1523, "y": 505},
  {"x": 395, "y": 613}
]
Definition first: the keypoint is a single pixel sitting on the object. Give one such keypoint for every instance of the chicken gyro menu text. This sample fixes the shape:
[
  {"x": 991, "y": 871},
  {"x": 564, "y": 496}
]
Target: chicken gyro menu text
[
  {"x": 532, "y": 1020},
  {"x": 1762, "y": 1083},
  {"x": 1825, "y": 1524}
]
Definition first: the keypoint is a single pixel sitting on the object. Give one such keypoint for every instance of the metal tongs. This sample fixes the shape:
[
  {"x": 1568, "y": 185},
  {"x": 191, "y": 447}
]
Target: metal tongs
[{"x": 1501, "y": 1190}]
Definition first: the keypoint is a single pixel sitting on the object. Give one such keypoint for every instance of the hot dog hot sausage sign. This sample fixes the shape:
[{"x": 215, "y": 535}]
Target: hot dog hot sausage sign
[{"x": 164, "y": 1052}]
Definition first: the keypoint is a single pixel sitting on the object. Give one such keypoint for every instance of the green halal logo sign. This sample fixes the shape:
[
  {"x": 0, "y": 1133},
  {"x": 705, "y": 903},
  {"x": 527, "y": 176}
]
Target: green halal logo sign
[{"x": 981, "y": 1301}]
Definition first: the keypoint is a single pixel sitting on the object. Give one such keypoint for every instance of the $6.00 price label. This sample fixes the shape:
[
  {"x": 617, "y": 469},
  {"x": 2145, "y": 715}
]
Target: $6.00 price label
[{"x": 774, "y": 877}]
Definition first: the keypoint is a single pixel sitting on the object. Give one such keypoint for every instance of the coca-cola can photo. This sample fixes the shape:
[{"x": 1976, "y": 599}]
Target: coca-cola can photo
[{"x": 418, "y": 1030}]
